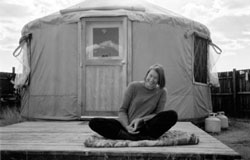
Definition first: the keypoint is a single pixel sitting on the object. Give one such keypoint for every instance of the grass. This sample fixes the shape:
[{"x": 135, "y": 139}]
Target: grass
[
  {"x": 9, "y": 115},
  {"x": 237, "y": 136}
]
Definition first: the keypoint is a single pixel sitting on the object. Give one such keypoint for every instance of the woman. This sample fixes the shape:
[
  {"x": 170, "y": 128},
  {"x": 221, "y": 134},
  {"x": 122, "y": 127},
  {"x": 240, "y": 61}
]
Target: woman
[{"x": 141, "y": 115}]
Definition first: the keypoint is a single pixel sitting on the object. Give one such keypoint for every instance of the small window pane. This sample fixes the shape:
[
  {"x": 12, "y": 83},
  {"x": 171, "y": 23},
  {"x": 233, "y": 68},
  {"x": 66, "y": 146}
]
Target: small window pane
[
  {"x": 104, "y": 39},
  {"x": 106, "y": 42}
]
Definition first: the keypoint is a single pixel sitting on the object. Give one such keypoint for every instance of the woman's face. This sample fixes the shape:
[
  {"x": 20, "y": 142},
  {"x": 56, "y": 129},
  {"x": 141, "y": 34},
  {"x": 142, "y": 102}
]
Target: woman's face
[{"x": 151, "y": 80}]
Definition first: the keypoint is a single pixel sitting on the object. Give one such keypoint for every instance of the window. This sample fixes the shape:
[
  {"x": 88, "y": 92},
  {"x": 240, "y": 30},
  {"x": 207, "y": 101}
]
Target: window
[
  {"x": 200, "y": 59},
  {"x": 104, "y": 40}
]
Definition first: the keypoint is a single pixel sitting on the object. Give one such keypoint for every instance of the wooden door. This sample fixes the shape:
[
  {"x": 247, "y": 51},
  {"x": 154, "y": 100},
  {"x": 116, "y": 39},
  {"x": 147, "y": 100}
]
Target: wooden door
[{"x": 104, "y": 65}]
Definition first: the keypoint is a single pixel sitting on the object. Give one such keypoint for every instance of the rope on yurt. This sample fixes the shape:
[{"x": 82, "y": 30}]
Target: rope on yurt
[
  {"x": 216, "y": 48},
  {"x": 24, "y": 39}
]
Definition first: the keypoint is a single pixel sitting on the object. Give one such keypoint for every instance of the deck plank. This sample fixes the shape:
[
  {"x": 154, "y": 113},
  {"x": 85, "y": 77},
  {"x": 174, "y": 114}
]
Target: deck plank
[{"x": 68, "y": 137}]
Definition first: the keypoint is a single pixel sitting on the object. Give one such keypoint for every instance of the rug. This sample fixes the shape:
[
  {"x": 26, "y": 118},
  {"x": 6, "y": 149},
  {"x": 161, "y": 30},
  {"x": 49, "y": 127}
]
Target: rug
[{"x": 170, "y": 138}]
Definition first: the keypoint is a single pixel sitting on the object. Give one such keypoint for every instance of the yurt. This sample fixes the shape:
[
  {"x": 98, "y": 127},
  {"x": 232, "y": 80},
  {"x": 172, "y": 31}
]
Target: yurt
[{"x": 79, "y": 61}]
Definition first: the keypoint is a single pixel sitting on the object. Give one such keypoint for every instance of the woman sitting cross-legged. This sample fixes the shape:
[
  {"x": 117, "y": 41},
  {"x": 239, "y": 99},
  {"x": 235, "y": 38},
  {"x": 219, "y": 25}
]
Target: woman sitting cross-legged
[{"x": 141, "y": 116}]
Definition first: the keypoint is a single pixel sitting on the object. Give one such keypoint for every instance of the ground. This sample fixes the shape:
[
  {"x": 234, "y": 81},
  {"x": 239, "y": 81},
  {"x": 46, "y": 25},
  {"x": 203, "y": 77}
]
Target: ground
[{"x": 237, "y": 136}]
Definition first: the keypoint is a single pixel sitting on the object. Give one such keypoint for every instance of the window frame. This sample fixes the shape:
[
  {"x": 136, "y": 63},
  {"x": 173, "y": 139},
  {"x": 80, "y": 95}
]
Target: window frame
[
  {"x": 194, "y": 58},
  {"x": 92, "y": 23}
]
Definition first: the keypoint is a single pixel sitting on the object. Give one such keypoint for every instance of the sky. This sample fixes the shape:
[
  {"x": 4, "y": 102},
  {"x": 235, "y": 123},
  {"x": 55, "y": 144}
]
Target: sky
[{"x": 227, "y": 20}]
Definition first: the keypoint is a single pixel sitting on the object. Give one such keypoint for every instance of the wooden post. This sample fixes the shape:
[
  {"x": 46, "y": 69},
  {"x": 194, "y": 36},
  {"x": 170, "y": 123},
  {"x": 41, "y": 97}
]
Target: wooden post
[
  {"x": 13, "y": 74},
  {"x": 234, "y": 93},
  {"x": 13, "y": 70}
]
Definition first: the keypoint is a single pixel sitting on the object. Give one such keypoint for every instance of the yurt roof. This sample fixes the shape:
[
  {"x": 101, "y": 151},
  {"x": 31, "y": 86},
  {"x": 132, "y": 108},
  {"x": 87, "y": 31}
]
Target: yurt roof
[{"x": 135, "y": 10}]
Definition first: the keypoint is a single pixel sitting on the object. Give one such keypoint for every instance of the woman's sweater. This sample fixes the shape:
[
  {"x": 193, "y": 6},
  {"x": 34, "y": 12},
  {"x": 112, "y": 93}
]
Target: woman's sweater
[{"x": 139, "y": 101}]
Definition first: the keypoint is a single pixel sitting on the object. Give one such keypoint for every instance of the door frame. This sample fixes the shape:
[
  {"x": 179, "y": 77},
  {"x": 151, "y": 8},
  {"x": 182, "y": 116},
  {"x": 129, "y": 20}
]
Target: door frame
[{"x": 81, "y": 86}]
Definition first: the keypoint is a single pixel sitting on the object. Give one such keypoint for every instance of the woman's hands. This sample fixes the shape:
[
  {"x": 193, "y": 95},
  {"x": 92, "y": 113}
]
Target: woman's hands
[{"x": 135, "y": 125}]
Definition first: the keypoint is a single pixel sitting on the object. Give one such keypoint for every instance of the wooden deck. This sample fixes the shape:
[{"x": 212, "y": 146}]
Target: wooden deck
[{"x": 64, "y": 140}]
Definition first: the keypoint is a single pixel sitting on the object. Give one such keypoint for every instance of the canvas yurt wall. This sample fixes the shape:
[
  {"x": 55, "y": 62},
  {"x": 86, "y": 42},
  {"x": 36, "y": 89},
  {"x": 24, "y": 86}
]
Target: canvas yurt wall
[
  {"x": 67, "y": 80},
  {"x": 52, "y": 91},
  {"x": 166, "y": 44}
]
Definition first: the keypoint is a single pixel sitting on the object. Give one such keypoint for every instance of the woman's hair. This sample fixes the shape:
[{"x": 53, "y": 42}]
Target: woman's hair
[{"x": 160, "y": 71}]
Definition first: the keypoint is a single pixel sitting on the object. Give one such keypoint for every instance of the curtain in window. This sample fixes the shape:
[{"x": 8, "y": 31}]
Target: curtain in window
[{"x": 200, "y": 59}]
